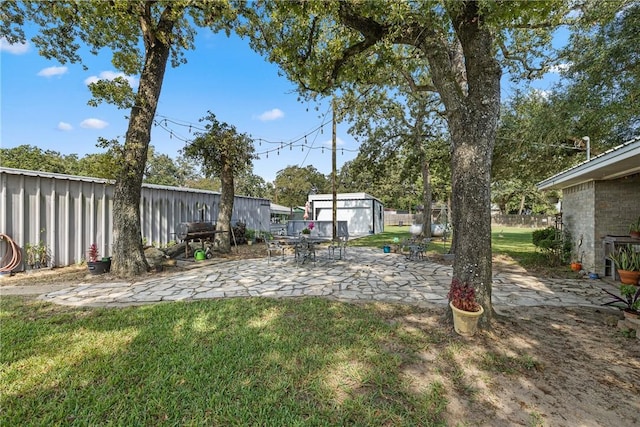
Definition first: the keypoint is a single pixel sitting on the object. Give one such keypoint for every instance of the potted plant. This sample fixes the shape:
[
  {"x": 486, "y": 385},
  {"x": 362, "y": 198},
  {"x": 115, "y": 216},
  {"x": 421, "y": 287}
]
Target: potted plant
[
  {"x": 308, "y": 228},
  {"x": 466, "y": 311},
  {"x": 250, "y": 235},
  {"x": 628, "y": 300},
  {"x": 576, "y": 265},
  {"x": 627, "y": 262},
  {"x": 96, "y": 264},
  {"x": 634, "y": 229}
]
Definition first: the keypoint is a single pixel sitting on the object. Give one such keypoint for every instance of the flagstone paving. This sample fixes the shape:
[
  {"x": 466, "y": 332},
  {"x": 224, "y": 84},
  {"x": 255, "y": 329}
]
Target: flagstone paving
[{"x": 366, "y": 274}]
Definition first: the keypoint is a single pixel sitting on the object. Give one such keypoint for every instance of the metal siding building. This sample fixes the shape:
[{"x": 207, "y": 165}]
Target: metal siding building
[{"x": 68, "y": 213}]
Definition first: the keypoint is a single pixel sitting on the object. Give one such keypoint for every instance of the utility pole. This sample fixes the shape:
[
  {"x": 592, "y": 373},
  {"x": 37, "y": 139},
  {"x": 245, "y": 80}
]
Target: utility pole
[{"x": 333, "y": 171}]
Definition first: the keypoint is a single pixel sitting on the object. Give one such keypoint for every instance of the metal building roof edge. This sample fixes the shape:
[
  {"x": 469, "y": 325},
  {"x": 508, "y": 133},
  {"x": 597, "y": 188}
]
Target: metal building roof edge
[{"x": 14, "y": 171}]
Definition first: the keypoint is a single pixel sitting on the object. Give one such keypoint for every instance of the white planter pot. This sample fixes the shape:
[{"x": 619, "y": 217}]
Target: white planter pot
[{"x": 465, "y": 322}]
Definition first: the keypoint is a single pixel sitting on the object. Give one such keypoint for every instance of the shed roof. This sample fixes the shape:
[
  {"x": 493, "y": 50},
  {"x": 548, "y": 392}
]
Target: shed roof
[
  {"x": 617, "y": 162},
  {"x": 343, "y": 196},
  {"x": 25, "y": 172},
  {"x": 279, "y": 209}
]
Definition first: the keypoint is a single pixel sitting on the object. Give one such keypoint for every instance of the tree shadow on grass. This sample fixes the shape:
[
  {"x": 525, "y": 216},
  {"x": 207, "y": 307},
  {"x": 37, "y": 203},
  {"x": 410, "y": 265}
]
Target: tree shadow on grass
[{"x": 226, "y": 362}]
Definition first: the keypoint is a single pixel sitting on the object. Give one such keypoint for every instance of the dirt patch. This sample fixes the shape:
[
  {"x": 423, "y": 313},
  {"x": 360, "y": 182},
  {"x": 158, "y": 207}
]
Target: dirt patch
[{"x": 537, "y": 367}]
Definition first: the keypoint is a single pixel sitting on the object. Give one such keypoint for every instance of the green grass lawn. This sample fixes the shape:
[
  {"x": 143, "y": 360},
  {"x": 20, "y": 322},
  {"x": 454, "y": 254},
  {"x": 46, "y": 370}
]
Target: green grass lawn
[
  {"x": 263, "y": 362},
  {"x": 310, "y": 362},
  {"x": 512, "y": 242}
]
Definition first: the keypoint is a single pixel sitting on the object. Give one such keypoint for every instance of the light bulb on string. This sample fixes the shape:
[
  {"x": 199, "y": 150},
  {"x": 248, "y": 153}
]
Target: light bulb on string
[
  {"x": 189, "y": 128},
  {"x": 305, "y": 140},
  {"x": 322, "y": 150},
  {"x": 290, "y": 147}
]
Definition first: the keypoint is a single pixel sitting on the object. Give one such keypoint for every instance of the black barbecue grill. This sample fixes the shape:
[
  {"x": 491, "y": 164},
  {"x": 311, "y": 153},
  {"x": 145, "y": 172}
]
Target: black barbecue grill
[
  {"x": 186, "y": 231},
  {"x": 202, "y": 231}
]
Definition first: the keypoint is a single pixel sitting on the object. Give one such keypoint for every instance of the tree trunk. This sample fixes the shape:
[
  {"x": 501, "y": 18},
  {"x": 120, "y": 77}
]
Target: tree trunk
[
  {"x": 128, "y": 253},
  {"x": 522, "y": 200},
  {"x": 470, "y": 91},
  {"x": 426, "y": 197},
  {"x": 226, "y": 207},
  {"x": 473, "y": 127}
]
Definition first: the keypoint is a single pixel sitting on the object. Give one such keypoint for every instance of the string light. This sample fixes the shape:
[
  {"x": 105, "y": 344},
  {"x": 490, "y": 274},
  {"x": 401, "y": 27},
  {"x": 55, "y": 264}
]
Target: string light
[{"x": 301, "y": 141}]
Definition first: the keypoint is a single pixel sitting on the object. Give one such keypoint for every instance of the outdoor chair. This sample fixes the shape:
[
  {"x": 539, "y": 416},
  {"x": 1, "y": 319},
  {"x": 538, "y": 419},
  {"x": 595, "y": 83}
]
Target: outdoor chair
[
  {"x": 273, "y": 246},
  {"x": 340, "y": 245},
  {"x": 417, "y": 249},
  {"x": 305, "y": 251}
]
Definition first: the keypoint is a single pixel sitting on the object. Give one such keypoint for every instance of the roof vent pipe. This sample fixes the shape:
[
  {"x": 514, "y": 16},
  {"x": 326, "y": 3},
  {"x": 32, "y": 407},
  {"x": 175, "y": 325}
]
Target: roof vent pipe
[{"x": 587, "y": 141}]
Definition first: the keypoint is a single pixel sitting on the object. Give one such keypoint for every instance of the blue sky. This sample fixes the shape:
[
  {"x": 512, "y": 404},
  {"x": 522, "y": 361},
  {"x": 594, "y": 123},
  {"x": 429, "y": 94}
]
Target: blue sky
[{"x": 44, "y": 104}]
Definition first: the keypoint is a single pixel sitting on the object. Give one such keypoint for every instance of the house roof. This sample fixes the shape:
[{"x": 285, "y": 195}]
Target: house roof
[{"x": 623, "y": 160}]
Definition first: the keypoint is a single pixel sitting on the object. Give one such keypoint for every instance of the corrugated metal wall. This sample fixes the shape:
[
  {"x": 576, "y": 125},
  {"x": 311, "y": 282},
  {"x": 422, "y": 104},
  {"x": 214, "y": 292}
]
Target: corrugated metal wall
[{"x": 69, "y": 213}]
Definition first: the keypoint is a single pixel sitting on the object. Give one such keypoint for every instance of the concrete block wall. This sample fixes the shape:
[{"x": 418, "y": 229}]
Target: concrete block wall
[
  {"x": 599, "y": 208},
  {"x": 617, "y": 205},
  {"x": 578, "y": 218}
]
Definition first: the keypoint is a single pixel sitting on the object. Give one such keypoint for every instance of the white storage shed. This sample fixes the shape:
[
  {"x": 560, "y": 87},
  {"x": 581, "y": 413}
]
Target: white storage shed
[{"x": 363, "y": 213}]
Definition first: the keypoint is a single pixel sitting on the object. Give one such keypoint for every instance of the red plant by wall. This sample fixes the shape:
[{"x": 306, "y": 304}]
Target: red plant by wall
[{"x": 93, "y": 253}]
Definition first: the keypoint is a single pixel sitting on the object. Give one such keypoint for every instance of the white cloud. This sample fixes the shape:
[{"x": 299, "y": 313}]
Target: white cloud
[
  {"x": 274, "y": 114},
  {"x": 52, "y": 71},
  {"x": 64, "y": 126},
  {"x": 559, "y": 68},
  {"x": 93, "y": 124},
  {"x": 328, "y": 142},
  {"x": 15, "y": 48},
  {"x": 110, "y": 75}
]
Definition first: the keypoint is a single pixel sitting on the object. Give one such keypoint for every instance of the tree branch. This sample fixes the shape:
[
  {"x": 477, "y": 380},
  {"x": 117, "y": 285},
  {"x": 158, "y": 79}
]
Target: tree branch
[
  {"x": 521, "y": 59},
  {"x": 371, "y": 30},
  {"x": 416, "y": 87}
]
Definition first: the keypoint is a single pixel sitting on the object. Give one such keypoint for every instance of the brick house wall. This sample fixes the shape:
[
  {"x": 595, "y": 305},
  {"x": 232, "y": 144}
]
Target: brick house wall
[{"x": 599, "y": 208}]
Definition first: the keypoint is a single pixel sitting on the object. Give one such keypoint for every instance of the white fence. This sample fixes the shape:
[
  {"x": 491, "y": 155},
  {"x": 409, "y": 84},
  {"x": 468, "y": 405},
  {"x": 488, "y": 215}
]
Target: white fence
[{"x": 68, "y": 213}]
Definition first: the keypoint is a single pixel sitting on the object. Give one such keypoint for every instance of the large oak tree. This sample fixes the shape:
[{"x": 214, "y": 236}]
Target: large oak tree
[
  {"x": 142, "y": 37},
  {"x": 322, "y": 44}
]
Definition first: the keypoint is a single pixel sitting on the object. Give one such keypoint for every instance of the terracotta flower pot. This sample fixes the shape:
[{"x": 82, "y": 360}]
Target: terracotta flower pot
[
  {"x": 465, "y": 323},
  {"x": 632, "y": 316},
  {"x": 576, "y": 266},
  {"x": 629, "y": 277}
]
